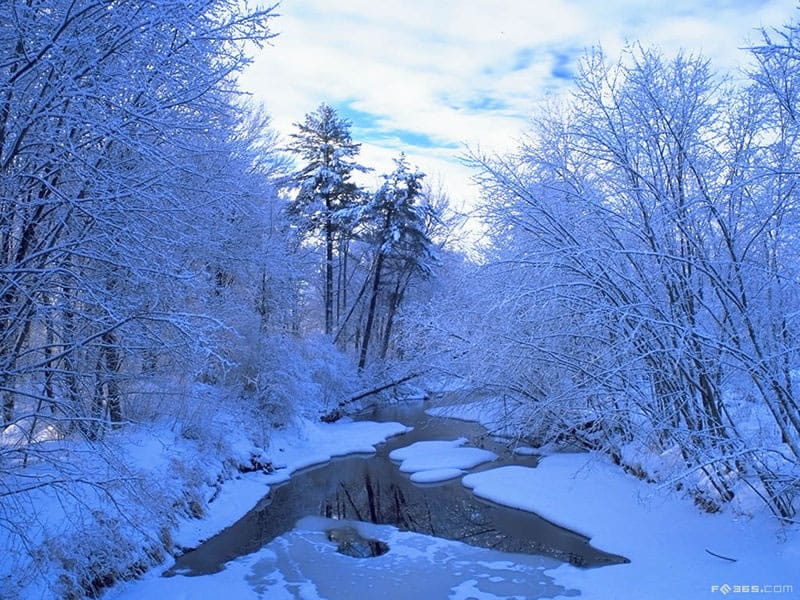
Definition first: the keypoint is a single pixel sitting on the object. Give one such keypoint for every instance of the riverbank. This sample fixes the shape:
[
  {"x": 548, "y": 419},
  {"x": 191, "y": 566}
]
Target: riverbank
[
  {"x": 304, "y": 444},
  {"x": 303, "y": 562},
  {"x": 676, "y": 550},
  {"x": 182, "y": 480}
]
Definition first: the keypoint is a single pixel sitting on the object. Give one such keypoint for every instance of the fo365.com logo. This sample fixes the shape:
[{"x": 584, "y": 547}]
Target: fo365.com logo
[{"x": 727, "y": 588}]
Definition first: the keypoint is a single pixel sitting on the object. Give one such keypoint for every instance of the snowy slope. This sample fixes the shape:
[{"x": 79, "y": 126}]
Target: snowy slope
[{"x": 667, "y": 539}]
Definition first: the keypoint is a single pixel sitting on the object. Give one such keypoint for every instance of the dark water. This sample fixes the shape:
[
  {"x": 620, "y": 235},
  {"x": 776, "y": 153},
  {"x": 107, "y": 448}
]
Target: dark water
[{"x": 372, "y": 488}]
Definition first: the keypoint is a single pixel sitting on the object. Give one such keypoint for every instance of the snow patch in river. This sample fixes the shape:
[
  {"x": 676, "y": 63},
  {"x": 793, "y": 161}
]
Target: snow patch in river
[
  {"x": 432, "y": 461},
  {"x": 436, "y": 475}
]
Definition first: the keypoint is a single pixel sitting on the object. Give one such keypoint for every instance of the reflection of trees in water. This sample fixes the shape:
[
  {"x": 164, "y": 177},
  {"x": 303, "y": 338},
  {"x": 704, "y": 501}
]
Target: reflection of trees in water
[
  {"x": 373, "y": 490},
  {"x": 452, "y": 512}
]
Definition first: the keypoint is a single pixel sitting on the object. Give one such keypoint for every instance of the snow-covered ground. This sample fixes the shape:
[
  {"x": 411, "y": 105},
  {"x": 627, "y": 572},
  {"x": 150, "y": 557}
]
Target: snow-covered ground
[
  {"x": 303, "y": 563},
  {"x": 676, "y": 551},
  {"x": 56, "y": 538},
  {"x": 668, "y": 540}
]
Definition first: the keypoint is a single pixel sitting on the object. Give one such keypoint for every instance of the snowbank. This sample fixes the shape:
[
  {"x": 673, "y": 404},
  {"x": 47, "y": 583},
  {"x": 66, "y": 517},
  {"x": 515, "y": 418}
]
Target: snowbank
[
  {"x": 304, "y": 445},
  {"x": 667, "y": 539},
  {"x": 124, "y": 504}
]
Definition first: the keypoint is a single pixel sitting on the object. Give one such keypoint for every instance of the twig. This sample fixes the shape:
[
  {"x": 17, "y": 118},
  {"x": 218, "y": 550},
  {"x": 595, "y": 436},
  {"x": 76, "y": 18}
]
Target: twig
[{"x": 720, "y": 556}]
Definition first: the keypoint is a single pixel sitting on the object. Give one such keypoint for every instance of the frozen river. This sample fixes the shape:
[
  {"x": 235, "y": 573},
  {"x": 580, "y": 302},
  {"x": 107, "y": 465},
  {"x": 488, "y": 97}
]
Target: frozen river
[{"x": 442, "y": 541}]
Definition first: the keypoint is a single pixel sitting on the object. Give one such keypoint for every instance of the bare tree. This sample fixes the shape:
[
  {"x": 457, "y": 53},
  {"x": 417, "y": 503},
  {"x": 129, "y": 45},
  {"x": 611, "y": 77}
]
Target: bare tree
[
  {"x": 118, "y": 159},
  {"x": 649, "y": 229}
]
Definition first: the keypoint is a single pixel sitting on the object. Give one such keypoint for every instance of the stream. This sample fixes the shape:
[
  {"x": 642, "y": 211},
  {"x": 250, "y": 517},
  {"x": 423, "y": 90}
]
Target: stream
[{"x": 371, "y": 488}]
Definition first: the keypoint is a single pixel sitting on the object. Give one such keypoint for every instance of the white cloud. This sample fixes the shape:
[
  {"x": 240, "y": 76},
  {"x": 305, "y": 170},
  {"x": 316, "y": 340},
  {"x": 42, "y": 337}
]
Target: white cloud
[{"x": 469, "y": 71}]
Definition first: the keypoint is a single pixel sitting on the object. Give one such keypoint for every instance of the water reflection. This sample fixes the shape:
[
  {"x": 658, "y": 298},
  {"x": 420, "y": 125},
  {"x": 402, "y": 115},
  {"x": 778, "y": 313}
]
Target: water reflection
[{"x": 372, "y": 489}]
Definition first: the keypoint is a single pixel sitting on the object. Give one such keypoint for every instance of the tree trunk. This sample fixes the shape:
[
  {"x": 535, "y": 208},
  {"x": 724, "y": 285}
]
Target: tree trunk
[
  {"x": 343, "y": 324},
  {"x": 373, "y": 302},
  {"x": 328, "y": 276},
  {"x": 341, "y": 285},
  {"x": 394, "y": 302},
  {"x": 112, "y": 367}
]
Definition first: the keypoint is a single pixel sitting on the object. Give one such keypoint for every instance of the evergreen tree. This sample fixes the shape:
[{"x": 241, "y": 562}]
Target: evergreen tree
[
  {"x": 397, "y": 223},
  {"x": 324, "y": 143}
]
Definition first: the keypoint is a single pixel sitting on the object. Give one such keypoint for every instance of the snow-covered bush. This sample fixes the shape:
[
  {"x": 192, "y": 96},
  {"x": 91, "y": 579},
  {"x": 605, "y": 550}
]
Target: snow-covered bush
[{"x": 294, "y": 377}]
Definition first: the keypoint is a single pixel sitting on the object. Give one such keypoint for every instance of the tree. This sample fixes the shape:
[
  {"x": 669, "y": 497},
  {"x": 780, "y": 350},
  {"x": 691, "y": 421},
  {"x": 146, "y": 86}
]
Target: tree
[
  {"x": 116, "y": 158},
  {"x": 648, "y": 226},
  {"x": 132, "y": 198},
  {"x": 395, "y": 225},
  {"x": 324, "y": 144}
]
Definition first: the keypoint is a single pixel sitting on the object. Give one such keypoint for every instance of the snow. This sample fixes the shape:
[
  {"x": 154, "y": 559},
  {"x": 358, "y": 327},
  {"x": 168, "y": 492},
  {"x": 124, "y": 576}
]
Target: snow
[
  {"x": 304, "y": 564},
  {"x": 317, "y": 443},
  {"x": 498, "y": 415},
  {"x": 436, "y": 475},
  {"x": 234, "y": 500},
  {"x": 72, "y": 531},
  {"x": 304, "y": 445},
  {"x": 515, "y": 486},
  {"x": 430, "y": 461},
  {"x": 665, "y": 536}
]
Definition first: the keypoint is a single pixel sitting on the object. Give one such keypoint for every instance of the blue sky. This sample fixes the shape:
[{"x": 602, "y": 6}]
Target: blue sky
[{"x": 433, "y": 77}]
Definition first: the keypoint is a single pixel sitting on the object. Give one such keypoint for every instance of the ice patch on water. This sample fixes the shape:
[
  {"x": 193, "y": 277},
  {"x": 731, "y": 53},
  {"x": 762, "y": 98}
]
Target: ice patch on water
[{"x": 303, "y": 563}]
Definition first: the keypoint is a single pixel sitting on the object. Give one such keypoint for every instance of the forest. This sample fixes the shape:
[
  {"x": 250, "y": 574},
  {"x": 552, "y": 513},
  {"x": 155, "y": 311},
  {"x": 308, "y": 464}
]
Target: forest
[{"x": 171, "y": 262}]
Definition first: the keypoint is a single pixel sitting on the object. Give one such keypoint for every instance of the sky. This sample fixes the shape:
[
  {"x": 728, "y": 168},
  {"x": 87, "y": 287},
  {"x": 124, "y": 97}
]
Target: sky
[{"x": 435, "y": 78}]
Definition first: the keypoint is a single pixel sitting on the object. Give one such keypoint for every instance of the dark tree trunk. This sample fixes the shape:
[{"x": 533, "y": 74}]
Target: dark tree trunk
[
  {"x": 373, "y": 302},
  {"x": 394, "y": 302},
  {"x": 328, "y": 277},
  {"x": 113, "y": 365}
]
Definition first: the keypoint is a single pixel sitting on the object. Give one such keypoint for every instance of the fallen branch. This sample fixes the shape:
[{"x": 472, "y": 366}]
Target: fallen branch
[
  {"x": 336, "y": 414},
  {"x": 380, "y": 388},
  {"x": 720, "y": 556}
]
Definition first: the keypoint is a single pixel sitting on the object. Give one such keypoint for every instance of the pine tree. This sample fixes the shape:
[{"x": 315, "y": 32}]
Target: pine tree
[
  {"x": 326, "y": 191},
  {"x": 398, "y": 224}
]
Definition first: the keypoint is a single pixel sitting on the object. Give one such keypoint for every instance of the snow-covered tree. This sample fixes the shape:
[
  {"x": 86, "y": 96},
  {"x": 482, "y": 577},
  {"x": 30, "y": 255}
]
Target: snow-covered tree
[
  {"x": 644, "y": 232},
  {"x": 326, "y": 191},
  {"x": 118, "y": 170},
  {"x": 396, "y": 225}
]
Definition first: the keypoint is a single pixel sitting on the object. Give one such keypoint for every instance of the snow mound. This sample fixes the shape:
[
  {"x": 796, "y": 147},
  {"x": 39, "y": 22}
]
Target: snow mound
[
  {"x": 430, "y": 461},
  {"x": 514, "y": 486},
  {"x": 316, "y": 443},
  {"x": 436, "y": 475}
]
